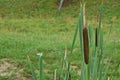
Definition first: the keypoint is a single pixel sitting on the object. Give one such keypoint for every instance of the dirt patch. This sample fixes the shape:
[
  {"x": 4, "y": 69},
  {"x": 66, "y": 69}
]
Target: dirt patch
[
  {"x": 76, "y": 68},
  {"x": 6, "y": 68},
  {"x": 9, "y": 69}
]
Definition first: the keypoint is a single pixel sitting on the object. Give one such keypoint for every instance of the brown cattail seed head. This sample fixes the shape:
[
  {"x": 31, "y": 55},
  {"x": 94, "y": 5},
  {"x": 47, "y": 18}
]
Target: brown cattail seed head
[
  {"x": 96, "y": 37},
  {"x": 86, "y": 45}
]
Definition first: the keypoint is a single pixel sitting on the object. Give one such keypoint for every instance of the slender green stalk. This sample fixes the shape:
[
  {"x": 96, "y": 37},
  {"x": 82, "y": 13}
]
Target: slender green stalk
[
  {"x": 62, "y": 66},
  {"x": 87, "y": 73},
  {"x": 74, "y": 39},
  {"x": 90, "y": 35},
  {"x": 95, "y": 66},
  {"x": 32, "y": 69},
  {"x": 82, "y": 76},
  {"x": 55, "y": 74},
  {"x": 100, "y": 35},
  {"x": 68, "y": 72},
  {"x": 100, "y": 18},
  {"x": 40, "y": 64},
  {"x": 81, "y": 28}
]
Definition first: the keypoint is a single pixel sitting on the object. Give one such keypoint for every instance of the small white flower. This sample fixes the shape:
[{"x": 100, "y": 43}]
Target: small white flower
[{"x": 40, "y": 54}]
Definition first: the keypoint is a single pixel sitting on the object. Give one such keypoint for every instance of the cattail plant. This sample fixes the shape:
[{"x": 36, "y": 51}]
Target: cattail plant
[
  {"x": 85, "y": 43},
  {"x": 92, "y": 66},
  {"x": 85, "y": 38}
]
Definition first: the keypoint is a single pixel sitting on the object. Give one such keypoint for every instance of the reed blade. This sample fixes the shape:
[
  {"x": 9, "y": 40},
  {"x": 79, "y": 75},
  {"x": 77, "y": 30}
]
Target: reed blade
[
  {"x": 100, "y": 18},
  {"x": 32, "y": 69},
  {"x": 40, "y": 65},
  {"x": 74, "y": 39},
  {"x": 68, "y": 72}
]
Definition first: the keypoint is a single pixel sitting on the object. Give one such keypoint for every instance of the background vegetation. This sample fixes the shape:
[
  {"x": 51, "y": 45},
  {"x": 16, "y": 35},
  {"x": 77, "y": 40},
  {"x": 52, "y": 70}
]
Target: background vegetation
[{"x": 28, "y": 27}]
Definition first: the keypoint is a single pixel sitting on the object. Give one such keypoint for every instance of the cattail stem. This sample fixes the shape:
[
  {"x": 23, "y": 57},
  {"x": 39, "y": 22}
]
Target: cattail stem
[
  {"x": 86, "y": 45},
  {"x": 40, "y": 63},
  {"x": 85, "y": 38},
  {"x": 84, "y": 17},
  {"x": 32, "y": 69},
  {"x": 55, "y": 74},
  {"x": 87, "y": 74},
  {"x": 68, "y": 72}
]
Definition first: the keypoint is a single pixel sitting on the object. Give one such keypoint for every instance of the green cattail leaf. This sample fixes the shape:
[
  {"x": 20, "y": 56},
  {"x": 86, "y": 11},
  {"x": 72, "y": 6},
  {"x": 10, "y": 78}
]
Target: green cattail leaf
[
  {"x": 87, "y": 73},
  {"x": 32, "y": 69},
  {"x": 82, "y": 76},
  {"x": 63, "y": 66},
  {"x": 74, "y": 39},
  {"x": 100, "y": 21},
  {"x": 101, "y": 49},
  {"x": 100, "y": 18},
  {"x": 40, "y": 64},
  {"x": 90, "y": 65},
  {"x": 91, "y": 51},
  {"x": 95, "y": 64},
  {"x": 90, "y": 35},
  {"x": 68, "y": 72},
  {"x": 100, "y": 72},
  {"x": 81, "y": 28},
  {"x": 75, "y": 35},
  {"x": 101, "y": 39}
]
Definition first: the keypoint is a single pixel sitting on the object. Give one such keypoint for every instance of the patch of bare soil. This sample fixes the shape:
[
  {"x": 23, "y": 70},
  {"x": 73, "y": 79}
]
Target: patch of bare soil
[{"x": 9, "y": 69}]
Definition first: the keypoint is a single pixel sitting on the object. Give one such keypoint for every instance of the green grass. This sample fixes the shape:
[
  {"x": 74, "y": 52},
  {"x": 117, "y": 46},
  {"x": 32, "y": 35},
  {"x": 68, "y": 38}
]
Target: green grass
[{"x": 28, "y": 27}]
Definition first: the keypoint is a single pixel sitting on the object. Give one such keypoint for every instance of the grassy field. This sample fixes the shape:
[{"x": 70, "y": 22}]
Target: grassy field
[{"x": 28, "y": 27}]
